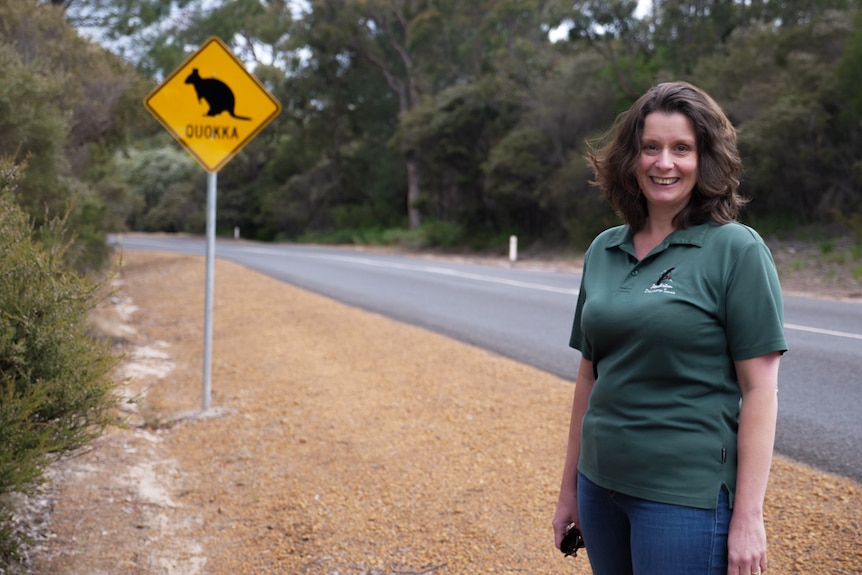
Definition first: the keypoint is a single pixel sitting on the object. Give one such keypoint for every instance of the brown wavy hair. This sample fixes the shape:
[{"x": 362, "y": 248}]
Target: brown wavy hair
[{"x": 715, "y": 196}]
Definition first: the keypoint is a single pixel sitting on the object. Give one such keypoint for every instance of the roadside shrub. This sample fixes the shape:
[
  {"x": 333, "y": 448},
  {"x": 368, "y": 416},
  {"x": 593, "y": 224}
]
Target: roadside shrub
[
  {"x": 438, "y": 234},
  {"x": 56, "y": 379}
]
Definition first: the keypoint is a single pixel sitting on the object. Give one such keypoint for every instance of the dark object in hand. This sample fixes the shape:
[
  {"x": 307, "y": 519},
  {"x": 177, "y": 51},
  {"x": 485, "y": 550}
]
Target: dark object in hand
[{"x": 572, "y": 541}]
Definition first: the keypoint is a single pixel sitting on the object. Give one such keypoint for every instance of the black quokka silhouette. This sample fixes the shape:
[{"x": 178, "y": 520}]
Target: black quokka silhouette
[{"x": 217, "y": 94}]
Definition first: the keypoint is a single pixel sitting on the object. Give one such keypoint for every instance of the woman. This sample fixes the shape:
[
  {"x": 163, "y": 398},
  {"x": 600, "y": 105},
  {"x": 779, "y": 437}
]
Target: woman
[{"x": 679, "y": 325}]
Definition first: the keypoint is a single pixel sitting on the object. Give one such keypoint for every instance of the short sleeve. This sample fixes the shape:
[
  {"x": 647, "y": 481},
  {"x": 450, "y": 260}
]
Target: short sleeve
[
  {"x": 754, "y": 311},
  {"x": 577, "y": 339}
]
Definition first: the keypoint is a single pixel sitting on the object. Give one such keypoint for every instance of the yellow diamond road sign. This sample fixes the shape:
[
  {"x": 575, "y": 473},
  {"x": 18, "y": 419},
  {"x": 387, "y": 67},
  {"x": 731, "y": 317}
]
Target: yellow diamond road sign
[{"x": 212, "y": 105}]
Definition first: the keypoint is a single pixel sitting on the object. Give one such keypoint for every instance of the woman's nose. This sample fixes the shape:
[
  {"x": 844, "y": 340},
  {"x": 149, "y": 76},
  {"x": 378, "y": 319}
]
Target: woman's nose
[{"x": 664, "y": 160}]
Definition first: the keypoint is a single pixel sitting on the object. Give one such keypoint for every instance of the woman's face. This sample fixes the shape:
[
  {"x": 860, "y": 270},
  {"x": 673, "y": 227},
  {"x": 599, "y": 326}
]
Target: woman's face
[{"x": 667, "y": 167}]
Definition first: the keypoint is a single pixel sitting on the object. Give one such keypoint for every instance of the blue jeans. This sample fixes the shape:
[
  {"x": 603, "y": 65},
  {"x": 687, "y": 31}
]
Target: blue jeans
[{"x": 630, "y": 536}]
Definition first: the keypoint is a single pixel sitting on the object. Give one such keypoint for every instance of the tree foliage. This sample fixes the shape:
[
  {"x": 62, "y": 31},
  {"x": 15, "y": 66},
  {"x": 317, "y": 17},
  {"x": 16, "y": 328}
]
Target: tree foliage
[
  {"x": 399, "y": 112},
  {"x": 56, "y": 379},
  {"x": 65, "y": 103},
  {"x": 782, "y": 89}
]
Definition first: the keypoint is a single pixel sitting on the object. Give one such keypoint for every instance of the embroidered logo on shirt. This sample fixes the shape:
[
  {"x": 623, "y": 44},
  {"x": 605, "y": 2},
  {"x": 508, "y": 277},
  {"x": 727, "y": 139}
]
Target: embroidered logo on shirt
[{"x": 664, "y": 283}]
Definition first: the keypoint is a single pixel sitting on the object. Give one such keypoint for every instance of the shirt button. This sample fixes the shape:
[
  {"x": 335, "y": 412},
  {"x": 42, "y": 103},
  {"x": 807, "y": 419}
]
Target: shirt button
[{"x": 634, "y": 273}]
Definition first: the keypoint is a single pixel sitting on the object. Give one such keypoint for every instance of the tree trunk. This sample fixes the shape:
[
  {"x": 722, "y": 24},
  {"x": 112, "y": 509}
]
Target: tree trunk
[
  {"x": 393, "y": 25},
  {"x": 414, "y": 217}
]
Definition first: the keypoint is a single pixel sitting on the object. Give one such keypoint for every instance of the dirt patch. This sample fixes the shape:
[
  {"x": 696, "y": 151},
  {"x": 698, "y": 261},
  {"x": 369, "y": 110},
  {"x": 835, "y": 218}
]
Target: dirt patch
[
  {"x": 805, "y": 270},
  {"x": 340, "y": 442}
]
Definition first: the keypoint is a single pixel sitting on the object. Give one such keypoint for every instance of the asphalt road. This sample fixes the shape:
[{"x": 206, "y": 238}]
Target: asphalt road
[{"x": 526, "y": 315}]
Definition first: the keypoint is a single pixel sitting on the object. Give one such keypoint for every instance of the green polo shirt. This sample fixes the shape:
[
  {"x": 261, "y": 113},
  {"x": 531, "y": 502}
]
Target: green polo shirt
[{"x": 663, "y": 334}]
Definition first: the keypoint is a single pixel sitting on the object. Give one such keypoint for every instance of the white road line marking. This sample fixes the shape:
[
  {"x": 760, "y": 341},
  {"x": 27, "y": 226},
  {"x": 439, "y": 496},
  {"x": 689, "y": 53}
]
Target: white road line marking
[
  {"x": 428, "y": 269},
  {"x": 822, "y": 331}
]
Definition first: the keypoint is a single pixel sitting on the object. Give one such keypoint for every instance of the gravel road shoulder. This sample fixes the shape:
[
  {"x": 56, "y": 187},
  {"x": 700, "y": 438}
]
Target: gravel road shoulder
[{"x": 340, "y": 442}]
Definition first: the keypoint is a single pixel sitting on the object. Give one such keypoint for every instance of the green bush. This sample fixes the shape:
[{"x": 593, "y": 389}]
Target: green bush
[
  {"x": 438, "y": 234},
  {"x": 56, "y": 379}
]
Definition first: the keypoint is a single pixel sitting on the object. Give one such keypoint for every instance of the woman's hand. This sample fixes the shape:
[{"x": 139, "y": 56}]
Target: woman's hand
[
  {"x": 565, "y": 515},
  {"x": 746, "y": 545}
]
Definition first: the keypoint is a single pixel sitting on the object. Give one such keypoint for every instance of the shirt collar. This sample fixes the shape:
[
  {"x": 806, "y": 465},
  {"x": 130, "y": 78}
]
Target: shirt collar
[{"x": 693, "y": 235}]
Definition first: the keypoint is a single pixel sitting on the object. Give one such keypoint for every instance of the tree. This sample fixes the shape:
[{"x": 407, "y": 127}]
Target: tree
[
  {"x": 65, "y": 101},
  {"x": 156, "y": 178},
  {"x": 847, "y": 100},
  {"x": 536, "y": 173},
  {"x": 33, "y": 129},
  {"x": 468, "y": 111},
  {"x": 389, "y": 34},
  {"x": 56, "y": 379},
  {"x": 687, "y": 30},
  {"x": 779, "y": 88},
  {"x": 848, "y": 79},
  {"x": 132, "y": 28},
  {"x": 452, "y": 136},
  {"x": 610, "y": 28}
]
